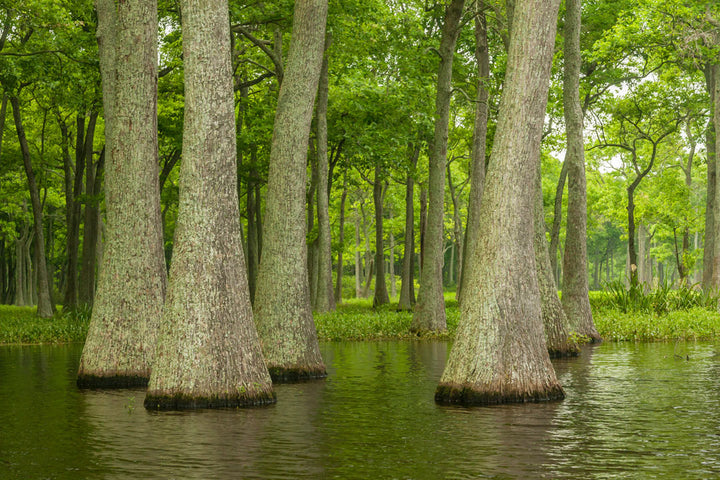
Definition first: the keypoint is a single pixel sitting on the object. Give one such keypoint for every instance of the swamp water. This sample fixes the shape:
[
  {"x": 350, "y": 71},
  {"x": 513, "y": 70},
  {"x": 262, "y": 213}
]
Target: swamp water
[{"x": 632, "y": 411}]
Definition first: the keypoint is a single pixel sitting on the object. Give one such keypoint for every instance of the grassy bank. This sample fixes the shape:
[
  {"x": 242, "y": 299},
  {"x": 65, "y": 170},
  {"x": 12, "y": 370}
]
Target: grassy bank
[
  {"x": 356, "y": 320},
  {"x": 20, "y": 325}
]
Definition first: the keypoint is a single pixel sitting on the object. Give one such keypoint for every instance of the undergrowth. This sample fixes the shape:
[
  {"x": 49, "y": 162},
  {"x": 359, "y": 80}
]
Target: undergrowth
[{"x": 20, "y": 325}]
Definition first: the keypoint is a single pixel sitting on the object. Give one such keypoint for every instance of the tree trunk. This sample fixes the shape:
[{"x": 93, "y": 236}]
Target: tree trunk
[
  {"x": 391, "y": 266},
  {"x": 312, "y": 246},
  {"x": 341, "y": 241},
  {"x": 407, "y": 282},
  {"x": 429, "y": 314},
  {"x": 209, "y": 354},
  {"x": 83, "y": 155},
  {"x": 358, "y": 265},
  {"x": 557, "y": 326},
  {"x": 324, "y": 298},
  {"x": 252, "y": 236},
  {"x": 120, "y": 345},
  {"x": 455, "y": 265},
  {"x": 715, "y": 95},
  {"x": 91, "y": 231},
  {"x": 45, "y": 307},
  {"x": 423, "y": 224},
  {"x": 283, "y": 314},
  {"x": 708, "y": 247},
  {"x": 381, "y": 293},
  {"x": 479, "y": 140},
  {"x": 575, "y": 288},
  {"x": 557, "y": 221},
  {"x": 500, "y": 354}
]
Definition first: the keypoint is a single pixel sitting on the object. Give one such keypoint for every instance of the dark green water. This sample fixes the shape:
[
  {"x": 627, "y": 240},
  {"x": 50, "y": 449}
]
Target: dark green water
[{"x": 632, "y": 411}]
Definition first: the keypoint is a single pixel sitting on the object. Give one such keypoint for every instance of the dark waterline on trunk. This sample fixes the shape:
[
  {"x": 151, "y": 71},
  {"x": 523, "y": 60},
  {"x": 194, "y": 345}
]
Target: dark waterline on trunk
[{"x": 645, "y": 410}]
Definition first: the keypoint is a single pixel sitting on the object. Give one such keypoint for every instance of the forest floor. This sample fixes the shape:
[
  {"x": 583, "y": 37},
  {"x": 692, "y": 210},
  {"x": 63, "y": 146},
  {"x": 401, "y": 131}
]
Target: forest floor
[{"x": 356, "y": 320}]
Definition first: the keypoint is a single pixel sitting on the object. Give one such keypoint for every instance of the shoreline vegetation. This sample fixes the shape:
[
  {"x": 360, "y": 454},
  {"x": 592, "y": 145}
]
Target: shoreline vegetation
[{"x": 619, "y": 315}]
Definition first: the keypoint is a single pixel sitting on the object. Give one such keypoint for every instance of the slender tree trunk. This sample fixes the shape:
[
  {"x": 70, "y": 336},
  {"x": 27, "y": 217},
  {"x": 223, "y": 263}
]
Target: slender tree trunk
[
  {"x": 407, "y": 282},
  {"x": 120, "y": 345},
  {"x": 391, "y": 266},
  {"x": 369, "y": 262},
  {"x": 209, "y": 354},
  {"x": 312, "y": 257},
  {"x": 575, "y": 297},
  {"x": 557, "y": 221},
  {"x": 83, "y": 155},
  {"x": 252, "y": 237},
  {"x": 455, "y": 265},
  {"x": 708, "y": 247},
  {"x": 358, "y": 266},
  {"x": 45, "y": 309},
  {"x": 283, "y": 315},
  {"x": 381, "y": 293},
  {"x": 91, "y": 231},
  {"x": 556, "y": 323},
  {"x": 500, "y": 354},
  {"x": 324, "y": 298},
  {"x": 715, "y": 75},
  {"x": 341, "y": 241},
  {"x": 423, "y": 224},
  {"x": 477, "y": 162},
  {"x": 429, "y": 314}
]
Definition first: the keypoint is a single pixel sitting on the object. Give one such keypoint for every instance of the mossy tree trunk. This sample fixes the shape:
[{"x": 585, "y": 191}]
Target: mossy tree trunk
[
  {"x": 45, "y": 306},
  {"x": 282, "y": 304},
  {"x": 575, "y": 296},
  {"x": 429, "y": 314},
  {"x": 500, "y": 354},
  {"x": 479, "y": 140},
  {"x": 120, "y": 344},
  {"x": 557, "y": 327},
  {"x": 324, "y": 298},
  {"x": 708, "y": 247},
  {"x": 208, "y": 352}
]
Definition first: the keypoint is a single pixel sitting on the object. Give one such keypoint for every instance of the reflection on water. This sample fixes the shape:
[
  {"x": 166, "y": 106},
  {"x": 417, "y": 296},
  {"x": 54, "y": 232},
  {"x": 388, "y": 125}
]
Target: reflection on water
[{"x": 632, "y": 410}]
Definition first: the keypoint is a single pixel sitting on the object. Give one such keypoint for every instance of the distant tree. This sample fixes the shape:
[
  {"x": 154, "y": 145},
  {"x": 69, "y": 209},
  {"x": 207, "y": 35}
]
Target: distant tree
[
  {"x": 208, "y": 352},
  {"x": 500, "y": 354},
  {"x": 120, "y": 344}
]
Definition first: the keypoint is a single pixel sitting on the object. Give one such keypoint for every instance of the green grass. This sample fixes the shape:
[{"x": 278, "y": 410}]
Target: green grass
[
  {"x": 20, "y": 325},
  {"x": 356, "y": 320}
]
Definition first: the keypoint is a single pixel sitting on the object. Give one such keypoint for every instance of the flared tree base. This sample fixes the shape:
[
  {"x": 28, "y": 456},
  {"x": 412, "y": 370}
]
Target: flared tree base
[
  {"x": 465, "y": 394},
  {"x": 111, "y": 381},
  {"x": 296, "y": 374},
  {"x": 154, "y": 401},
  {"x": 566, "y": 352}
]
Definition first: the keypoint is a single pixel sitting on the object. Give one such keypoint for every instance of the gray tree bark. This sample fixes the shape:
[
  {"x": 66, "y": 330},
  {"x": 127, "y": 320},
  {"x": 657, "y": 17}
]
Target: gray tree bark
[
  {"x": 575, "y": 296},
  {"x": 324, "y": 298},
  {"x": 557, "y": 326},
  {"x": 282, "y": 305},
  {"x": 45, "y": 306},
  {"x": 381, "y": 294},
  {"x": 429, "y": 314},
  {"x": 120, "y": 345},
  {"x": 407, "y": 280},
  {"x": 208, "y": 352},
  {"x": 341, "y": 241},
  {"x": 708, "y": 246},
  {"x": 477, "y": 162},
  {"x": 500, "y": 354}
]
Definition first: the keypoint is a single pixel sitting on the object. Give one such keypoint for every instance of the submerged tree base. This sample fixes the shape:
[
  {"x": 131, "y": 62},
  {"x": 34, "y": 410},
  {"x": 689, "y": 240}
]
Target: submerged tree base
[
  {"x": 570, "y": 351},
  {"x": 296, "y": 374},
  {"x": 112, "y": 381},
  {"x": 187, "y": 402},
  {"x": 465, "y": 394}
]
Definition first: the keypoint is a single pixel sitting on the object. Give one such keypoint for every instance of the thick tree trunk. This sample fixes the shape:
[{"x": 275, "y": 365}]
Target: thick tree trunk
[
  {"x": 479, "y": 141},
  {"x": 208, "y": 354},
  {"x": 324, "y": 298},
  {"x": 120, "y": 345},
  {"x": 282, "y": 304},
  {"x": 575, "y": 288},
  {"x": 557, "y": 326},
  {"x": 381, "y": 293},
  {"x": 45, "y": 307},
  {"x": 407, "y": 281},
  {"x": 500, "y": 354},
  {"x": 429, "y": 314}
]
